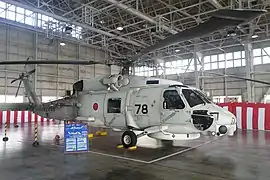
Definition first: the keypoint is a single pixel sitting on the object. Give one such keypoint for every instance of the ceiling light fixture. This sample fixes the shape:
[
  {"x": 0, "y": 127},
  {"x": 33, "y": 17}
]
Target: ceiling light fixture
[
  {"x": 62, "y": 44},
  {"x": 231, "y": 34},
  {"x": 120, "y": 28},
  {"x": 177, "y": 50},
  {"x": 254, "y": 36}
]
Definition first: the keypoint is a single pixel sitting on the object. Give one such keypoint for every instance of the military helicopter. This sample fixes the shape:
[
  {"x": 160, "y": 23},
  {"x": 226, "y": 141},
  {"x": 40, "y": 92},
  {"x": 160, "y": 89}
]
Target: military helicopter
[{"x": 159, "y": 108}]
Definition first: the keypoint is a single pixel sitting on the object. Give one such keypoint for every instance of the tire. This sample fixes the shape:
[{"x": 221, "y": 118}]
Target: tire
[{"x": 129, "y": 139}]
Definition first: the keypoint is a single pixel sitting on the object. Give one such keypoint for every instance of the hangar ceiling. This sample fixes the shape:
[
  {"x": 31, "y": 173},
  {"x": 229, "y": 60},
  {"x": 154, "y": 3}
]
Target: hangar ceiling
[{"x": 124, "y": 27}]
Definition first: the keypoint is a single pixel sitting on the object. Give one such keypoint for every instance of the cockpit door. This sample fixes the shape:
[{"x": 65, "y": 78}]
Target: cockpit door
[{"x": 173, "y": 108}]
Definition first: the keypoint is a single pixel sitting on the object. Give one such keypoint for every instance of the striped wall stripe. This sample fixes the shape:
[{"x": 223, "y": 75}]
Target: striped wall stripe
[
  {"x": 19, "y": 117},
  {"x": 250, "y": 116}
]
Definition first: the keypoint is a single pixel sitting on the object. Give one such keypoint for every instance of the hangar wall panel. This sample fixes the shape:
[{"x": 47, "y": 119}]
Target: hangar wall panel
[{"x": 52, "y": 80}]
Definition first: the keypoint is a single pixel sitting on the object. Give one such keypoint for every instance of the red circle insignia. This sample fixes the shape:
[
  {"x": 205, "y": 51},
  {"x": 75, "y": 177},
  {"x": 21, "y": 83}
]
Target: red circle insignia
[{"x": 95, "y": 106}]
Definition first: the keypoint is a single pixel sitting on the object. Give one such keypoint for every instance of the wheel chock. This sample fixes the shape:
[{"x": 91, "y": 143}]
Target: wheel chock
[
  {"x": 90, "y": 136},
  {"x": 103, "y": 133},
  {"x": 132, "y": 148},
  {"x": 120, "y": 146}
]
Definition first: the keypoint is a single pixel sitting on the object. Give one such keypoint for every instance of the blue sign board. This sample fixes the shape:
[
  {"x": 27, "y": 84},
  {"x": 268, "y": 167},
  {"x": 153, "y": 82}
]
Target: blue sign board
[{"x": 76, "y": 137}]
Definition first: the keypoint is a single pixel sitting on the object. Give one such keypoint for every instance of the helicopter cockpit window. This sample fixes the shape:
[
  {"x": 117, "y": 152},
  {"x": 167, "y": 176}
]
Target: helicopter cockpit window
[
  {"x": 114, "y": 105},
  {"x": 172, "y": 100},
  {"x": 203, "y": 96},
  {"x": 192, "y": 98}
]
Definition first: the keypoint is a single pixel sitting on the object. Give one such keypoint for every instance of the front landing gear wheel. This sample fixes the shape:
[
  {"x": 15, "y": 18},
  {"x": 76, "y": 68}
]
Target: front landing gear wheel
[{"x": 129, "y": 139}]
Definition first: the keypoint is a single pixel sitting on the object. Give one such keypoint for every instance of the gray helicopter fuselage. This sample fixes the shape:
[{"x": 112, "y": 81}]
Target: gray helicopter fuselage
[{"x": 178, "y": 108}]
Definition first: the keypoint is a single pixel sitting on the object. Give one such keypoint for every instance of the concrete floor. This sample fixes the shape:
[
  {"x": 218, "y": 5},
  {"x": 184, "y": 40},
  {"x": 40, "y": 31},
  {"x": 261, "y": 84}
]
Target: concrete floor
[{"x": 244, "y": 156}]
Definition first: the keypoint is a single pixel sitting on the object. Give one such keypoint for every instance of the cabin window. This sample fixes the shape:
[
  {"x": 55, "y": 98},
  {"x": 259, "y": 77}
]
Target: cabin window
[
  {"x": 114, "y": 105},
  {"x": 172, "y": 100},
  {"x": 152, "y": 82},
  {"x": 192, "y": 98}
]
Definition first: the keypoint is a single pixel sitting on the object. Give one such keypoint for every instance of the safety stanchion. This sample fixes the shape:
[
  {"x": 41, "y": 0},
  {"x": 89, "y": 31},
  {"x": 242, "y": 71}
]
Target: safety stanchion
[
  {"x": 5, "y": 138},
  {"x": 57, "y": 136},
  {"x": 36, "y": 143},
  {"x": 57, "y": 139}
]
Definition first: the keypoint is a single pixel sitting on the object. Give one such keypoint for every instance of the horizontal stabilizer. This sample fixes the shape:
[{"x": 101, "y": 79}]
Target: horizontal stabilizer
[{"x": 15, "y": 107}]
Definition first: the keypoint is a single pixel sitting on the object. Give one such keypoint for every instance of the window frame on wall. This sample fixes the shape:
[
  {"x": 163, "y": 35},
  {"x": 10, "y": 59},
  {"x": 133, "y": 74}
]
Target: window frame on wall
[
  {"x": 216, "y": 61},
  {"x": 30, "y": 18}
]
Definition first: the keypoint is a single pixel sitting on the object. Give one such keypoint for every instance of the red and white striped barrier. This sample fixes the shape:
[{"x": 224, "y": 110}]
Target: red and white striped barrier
[
  {"x": 17, "y": 117},
  {"x": 254, "y": 116}
]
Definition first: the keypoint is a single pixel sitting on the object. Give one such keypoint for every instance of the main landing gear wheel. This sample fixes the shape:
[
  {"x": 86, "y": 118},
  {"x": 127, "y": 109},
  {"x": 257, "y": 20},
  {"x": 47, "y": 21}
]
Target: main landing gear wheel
[{"x": 129, "y": 139}]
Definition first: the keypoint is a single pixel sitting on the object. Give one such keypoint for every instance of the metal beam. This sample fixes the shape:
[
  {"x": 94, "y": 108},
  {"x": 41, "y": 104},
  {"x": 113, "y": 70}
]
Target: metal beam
[
  {"x": 216, "y": 4},
  {"x": 140, "y": 15},
  {"x": 180, "y": 11},
  {"x": 60, "y": 18}
]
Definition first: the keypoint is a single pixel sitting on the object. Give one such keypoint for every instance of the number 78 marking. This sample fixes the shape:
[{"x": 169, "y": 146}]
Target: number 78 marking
[{"x": 142, "y": 107}]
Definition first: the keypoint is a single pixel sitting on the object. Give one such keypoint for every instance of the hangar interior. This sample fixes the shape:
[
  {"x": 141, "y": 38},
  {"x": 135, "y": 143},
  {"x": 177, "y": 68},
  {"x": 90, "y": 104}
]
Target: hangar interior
[
  {"x": 237, "y": 141},
  {"x": 110, "y": 30}
]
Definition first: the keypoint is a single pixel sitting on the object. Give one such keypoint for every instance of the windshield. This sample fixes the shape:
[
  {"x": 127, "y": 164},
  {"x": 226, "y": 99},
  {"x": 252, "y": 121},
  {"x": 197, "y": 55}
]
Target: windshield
[
  {"x": 203, "y": 96},
  {"x": 172, "y": 100},
  {"x": 192, "y": 97}
]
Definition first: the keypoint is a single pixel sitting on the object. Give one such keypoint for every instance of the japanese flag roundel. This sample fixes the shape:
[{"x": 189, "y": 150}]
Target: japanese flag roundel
[{"x": 95, "y": 106}]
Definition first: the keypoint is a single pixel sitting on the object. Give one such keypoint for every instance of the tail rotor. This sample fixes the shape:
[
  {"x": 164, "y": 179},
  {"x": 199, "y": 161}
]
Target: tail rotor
[{"x": 21, "y": 77}]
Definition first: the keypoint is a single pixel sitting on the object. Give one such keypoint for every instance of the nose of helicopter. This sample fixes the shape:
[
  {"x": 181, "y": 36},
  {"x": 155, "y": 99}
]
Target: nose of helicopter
[{"x": 225, "y": 122}]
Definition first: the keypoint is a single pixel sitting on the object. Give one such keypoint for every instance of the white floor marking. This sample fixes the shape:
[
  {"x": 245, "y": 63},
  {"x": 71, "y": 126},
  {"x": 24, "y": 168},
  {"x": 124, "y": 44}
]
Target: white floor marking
[
  {"x": 120, "y": 157},
  {"x": 155, "y": 160},
  {"x": 180, "y": 152}
]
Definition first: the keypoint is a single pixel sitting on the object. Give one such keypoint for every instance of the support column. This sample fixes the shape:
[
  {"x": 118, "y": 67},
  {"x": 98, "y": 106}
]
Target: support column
[
  {"x": 133, "y": 70},
  {"x": 249, "y": 69},
  {"x": 156, "y": 69},
  {"x": 7, "y": 58},
  {"x": 225, "y": 78},
  {"x": 164, "y": 70},
  {"x": 202, "y": 73},
  {"x": 34, "y": 82},
  {"x": 35, "y": 66},
  {"x": 196, "y": 72},
  {"x": 197, "y": 58},
  {"x": 78, "y": 58},
  {"x": 57, "y": 69}
]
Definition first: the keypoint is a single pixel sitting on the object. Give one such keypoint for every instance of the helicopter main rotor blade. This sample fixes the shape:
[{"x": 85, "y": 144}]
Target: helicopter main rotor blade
[
  {"x": 18, "y": 88},
  {"x": 243, "y": 78},
  {"x": 81, "y": 62},
  {"x": 220, "y": 19},
  {"x": 30, "y": 72},
  {"x": 14, "y": 80}
]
